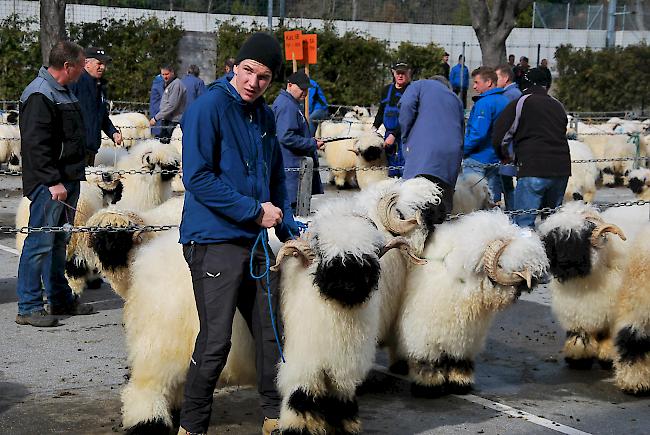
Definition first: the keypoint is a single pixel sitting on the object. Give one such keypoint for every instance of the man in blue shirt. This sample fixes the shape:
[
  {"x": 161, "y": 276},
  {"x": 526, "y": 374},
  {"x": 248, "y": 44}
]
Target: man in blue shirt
[
  {"x": 317, "y": 105},
  {"x": 234, "y": 190},
  {"x": 459, "y": 79},
  {"x": 294, "y": 135},
  {"x": 193, "y": 85},
  {"x": 155, "y": 95},
  {"x": 478, "y": 153},
  {"x": 505, "y": 78}
]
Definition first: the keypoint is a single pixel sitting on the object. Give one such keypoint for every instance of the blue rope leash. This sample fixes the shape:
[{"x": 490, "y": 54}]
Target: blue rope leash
[{"x": 263, "y": 237}]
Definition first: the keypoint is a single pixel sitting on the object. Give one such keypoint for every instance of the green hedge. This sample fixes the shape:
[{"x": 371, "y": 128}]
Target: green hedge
[
  {"x": 138, "y": 48},
  {"x": 352, "y": 68},
  {"x": 606, "y": 80}
]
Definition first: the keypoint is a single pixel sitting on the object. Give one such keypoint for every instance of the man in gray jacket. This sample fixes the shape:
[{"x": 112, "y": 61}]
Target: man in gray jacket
[
  {"x": 172, "y": 104},
  {"x": 431, "y": 121}
]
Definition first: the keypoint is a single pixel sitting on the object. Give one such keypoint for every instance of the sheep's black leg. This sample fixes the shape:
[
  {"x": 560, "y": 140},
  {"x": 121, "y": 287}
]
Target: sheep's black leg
[
  {"x": 304, "y": 414},
  {"x": 341, "y": 414},
  {"x": 579, "y": 350},
  {"x": 428, "y": 379},
  {"x": 150, "y": 427},
  {"x": 633, "y": 363},
  {"x": 460, "y": 375}
]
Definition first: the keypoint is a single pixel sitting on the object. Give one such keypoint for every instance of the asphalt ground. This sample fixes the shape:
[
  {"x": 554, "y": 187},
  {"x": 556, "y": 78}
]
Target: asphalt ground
[{"x": 68, "y": 379}]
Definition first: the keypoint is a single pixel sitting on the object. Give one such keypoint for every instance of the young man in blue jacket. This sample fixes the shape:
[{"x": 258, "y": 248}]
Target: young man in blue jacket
[
  {"x": 477, "y": 150},
  {"x": 459, "y": 79},
  {"x": 235, "y": 188},
  {"x": 294, "y": 135}
]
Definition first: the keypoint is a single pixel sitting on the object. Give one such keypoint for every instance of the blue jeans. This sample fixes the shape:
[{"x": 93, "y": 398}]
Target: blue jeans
[
  {"x": 536, "y": 193},
  {"x": 491, "y": 175},
  {"x": 43, "y": 257}
]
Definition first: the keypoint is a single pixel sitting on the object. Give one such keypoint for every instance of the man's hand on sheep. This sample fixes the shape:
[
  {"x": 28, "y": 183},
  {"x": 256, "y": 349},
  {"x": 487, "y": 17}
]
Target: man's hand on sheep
[
  {"x": 270, "y": 216},
  {"x": 320, "y": 144},
  {"x": 117, "y": 138},
  {"x": 390, "y": 140},
  {"x": 58, "y": 192},
  {"x": 152, "y": 122}
]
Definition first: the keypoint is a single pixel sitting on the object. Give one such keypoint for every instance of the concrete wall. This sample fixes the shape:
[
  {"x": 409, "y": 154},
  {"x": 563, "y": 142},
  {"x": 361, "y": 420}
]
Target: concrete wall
[
  {"x": 198, "y": 48},
  {"x": 522, "y": 42}
]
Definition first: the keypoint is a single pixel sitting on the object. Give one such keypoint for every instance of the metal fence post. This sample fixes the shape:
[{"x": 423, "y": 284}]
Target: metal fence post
[{"x": 303, "y": 204}]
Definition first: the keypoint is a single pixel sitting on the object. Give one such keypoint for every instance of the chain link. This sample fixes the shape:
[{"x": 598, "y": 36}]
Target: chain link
[{"x": 94, "y": 230}]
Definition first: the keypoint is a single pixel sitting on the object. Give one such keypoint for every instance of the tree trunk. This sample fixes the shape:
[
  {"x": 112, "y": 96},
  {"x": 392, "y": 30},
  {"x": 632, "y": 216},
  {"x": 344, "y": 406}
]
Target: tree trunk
[
  {"x": 639, "y": 16},
  {"x": 492, "y": 24},
  {"x": 52, "y": 26}
]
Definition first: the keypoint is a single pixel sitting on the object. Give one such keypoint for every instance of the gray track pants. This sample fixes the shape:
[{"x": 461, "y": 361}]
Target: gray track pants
[{"x": 222, "y": 282}]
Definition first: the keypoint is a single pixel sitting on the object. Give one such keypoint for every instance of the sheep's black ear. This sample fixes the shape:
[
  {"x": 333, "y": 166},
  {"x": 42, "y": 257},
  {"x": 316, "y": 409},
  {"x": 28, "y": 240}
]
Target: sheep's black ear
[
  {"x": 14, "y": 160},
  {"x": 112, "y": 249},
  {"x": 636, "y": 185},
  {"x": 348, "y": 280},
  {"x": 569, "y": 257},
  {"x": 434, "y": 214}
]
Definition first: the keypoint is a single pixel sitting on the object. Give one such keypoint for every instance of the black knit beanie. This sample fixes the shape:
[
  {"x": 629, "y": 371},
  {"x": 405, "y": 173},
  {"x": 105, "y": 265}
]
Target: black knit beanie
[{"x": 263, "y": 48}]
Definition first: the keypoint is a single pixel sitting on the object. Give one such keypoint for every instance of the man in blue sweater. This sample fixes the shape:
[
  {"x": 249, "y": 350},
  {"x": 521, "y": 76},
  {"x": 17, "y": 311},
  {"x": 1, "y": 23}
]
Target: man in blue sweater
[
  {"x": 294, "y": 134},
  {"x": 477, "y": 150},
  {"x": 235, "y": 189},
  {"x": 90, "y": 90},
  {"x": 459, "y": 79},
  {"x": 193, "y": 84}
]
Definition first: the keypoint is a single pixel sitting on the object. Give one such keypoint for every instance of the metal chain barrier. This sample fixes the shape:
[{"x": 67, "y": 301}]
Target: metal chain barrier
[{"x": 72, "y": 229}]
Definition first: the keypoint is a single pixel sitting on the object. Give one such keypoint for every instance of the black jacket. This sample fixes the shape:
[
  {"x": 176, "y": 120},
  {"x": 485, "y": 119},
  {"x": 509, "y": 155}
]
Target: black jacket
[
  {"x": 53, "y": 140},
  {"x": 541, "y": 147},
  {"x": 91, "y": 94}
]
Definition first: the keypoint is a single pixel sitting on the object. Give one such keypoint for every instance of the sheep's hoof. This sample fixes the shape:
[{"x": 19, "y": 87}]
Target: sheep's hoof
[
  {"x": 293, "y": 431},
  {"x": 400, "y": 367},
  {"x": 605, "y": 364},
  {"x": 427, "y": 391},
  {"x": 460, "y": 389},
  {"x": 579, "y": 364},
  {"x": 150, "y": 427},
  {"x": 94, "y": 284},
  {"x": 643, "y": 392}
]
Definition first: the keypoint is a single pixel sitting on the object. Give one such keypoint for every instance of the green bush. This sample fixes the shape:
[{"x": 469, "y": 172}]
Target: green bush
[
  {"x": 20, "y": 56},
  {"x": 352, "y": 68},
  {"x": 605, "y": 80},
  {"x": 138, "y": 49}
]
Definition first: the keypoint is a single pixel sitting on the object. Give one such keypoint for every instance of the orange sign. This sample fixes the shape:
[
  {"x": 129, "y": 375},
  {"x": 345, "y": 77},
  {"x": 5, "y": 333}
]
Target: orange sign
[
  {"x": 309, "y": 47},
  {"x": 293, "y": 45}
]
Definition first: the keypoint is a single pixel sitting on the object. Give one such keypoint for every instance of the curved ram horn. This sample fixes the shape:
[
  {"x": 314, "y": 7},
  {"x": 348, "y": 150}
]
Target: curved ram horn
[
  {"x": 356, "y": 151},
  {"x": 388, "y": 215},
  {"x": 603, "y": 228},
  {"x": 403, "y": 245},
  {"x": 295, "y": 248},
  {"x": 496, "y": 273}
]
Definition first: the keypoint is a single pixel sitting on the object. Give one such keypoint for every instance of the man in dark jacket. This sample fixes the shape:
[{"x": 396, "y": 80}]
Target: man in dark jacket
[
  {"x": 90, "y": 90},
  {"x": 294, "y": 134},
  {"x": 520, "y": 70},
  {"x": 388, "y": 114},
  {"x": 431, "y": 118},
  {"x": 235, "y": 190},
  {"x": 541, "y": 148},
  {"x": 155, "y": 95},
  {"x": 54, "y": 152},
  {"x": 172, "y": 104},
  {"x": 445, "y": 65},
  {"x": 548, "y": 78},
  {"x": 193, "y": 84}
]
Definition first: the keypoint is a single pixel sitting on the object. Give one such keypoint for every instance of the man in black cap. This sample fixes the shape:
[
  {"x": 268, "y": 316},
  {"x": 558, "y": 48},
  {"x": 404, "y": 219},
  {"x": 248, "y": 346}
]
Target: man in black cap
[
  {"x": 234, "y": 190},
  {"x": 90, "y": 90},
  {"x": 536, "y": 124},
  {"x": 388, "y": 114},
  {"x": 294, "y": 133}
]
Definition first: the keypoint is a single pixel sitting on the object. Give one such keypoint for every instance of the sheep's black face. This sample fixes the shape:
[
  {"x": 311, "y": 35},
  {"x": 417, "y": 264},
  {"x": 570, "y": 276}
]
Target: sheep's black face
[
  {"x": 112, "y": 249},
  {"x": 636, "y": 185},
  {"x": 74, "y": 270},
  {"x": 371, "y": 154},
  {"x": 348, "y": 282},
  {"x": 12, "y": 117},
  {"x": 434, "y": 214},
  {"x": 569, "y": 257},
  {"x": 166, "y": 176}
]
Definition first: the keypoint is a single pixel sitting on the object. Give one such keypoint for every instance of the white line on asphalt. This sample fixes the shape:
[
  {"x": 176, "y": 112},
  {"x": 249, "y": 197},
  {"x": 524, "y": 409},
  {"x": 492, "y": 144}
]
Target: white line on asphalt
[
  {"x": 105, "y": 300},
  {"x": 500, "y": 407},
  {"x": 8, "y": 249}
]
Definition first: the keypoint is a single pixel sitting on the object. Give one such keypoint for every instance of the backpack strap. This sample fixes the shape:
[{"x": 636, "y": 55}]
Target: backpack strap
[{"x": 510, "y": 134}]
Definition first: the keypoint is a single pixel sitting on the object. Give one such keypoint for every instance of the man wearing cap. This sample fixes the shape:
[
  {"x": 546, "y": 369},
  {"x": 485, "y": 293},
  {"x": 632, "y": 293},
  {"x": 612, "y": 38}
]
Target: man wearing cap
[
  {"x": 541, "y": 149},
  {"x": 234, "y": 189},
  {"x": 388, "y": 114},
  {"x": 90, "y": 90},
  {"x": 294, "y": 134},
  {"x": 172, "y": 103}
]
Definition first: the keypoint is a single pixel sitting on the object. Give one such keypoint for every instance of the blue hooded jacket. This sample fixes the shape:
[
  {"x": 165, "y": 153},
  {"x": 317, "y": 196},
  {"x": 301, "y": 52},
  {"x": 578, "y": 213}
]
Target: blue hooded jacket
[
  {"x": 431, "y": 120},
  {"x": 231, "y": 164},
  {"x": 317, "y": 100},
  {"x": 194, "y": 86},
  {"x": 454, "y": 76},
  {"x": 295, "y": 141},
  {"x": 478, "y": 135}
]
